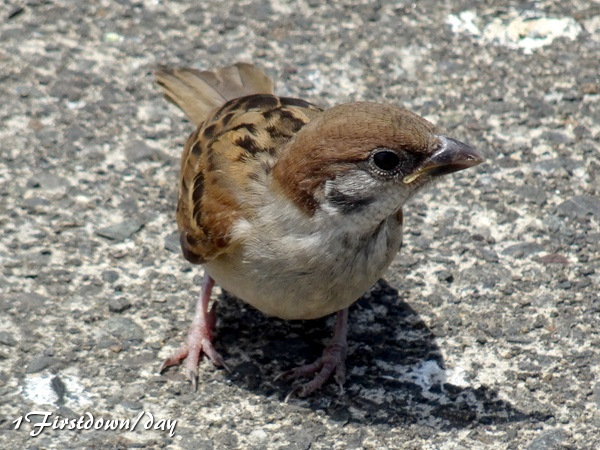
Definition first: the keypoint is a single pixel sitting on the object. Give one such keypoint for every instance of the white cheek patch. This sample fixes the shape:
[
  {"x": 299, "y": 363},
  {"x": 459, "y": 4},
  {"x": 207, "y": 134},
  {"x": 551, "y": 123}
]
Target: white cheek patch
[
  {"x": 358, "y": 202},
  {"x": 354, "y": 183},
  {"x": 357, "y": 191},
  {"x": 350, "y": 193}
]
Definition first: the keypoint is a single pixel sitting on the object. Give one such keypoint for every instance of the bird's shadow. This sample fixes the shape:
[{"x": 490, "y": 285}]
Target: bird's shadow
[{"x": 396, "y": 373}]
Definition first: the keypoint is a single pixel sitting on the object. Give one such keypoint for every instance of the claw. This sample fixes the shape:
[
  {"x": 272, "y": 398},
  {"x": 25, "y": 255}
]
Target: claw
[
  {"x": 174, "y": 360},
  {"x": 225, "y": 366},
  {"x": 164, "y": 366},
  {"x": 284, "y": 374},
  {"x": 193, "y": 377},
  {"x": 341, "y": 386},
  {"x": 292, "y": 392}
]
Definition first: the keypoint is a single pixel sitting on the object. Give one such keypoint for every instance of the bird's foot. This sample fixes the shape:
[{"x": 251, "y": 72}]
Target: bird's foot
[
  {"x": 199, "y": 341},
  {"x": 332, "y": 361}
]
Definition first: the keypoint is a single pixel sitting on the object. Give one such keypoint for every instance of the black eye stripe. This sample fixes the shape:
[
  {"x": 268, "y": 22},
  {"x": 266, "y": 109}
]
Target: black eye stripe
[{"x": 347, "y": 203}]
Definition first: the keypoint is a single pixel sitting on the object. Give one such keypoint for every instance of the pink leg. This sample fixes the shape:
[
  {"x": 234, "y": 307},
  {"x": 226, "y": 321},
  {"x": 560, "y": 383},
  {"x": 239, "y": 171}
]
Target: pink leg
[
  {"x": 199, "y": 339},
  {"x": 333, "y": 359}
]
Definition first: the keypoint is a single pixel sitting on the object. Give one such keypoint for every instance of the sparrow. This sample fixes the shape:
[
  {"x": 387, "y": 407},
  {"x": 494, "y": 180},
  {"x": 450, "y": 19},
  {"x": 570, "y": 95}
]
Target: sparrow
[{"x": 294, "y": 209}]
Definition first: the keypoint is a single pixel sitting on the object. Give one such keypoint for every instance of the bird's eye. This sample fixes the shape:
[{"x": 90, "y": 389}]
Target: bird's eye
[{"x": 386, "y": 160}]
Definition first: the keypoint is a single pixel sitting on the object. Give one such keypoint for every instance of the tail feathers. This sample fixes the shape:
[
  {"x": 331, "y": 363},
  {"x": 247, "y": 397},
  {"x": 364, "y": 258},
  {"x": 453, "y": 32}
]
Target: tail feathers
[{"x": 198, "y": 92}]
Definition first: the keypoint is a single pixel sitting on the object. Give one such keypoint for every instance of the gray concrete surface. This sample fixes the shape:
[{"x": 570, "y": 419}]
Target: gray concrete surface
[{"x": 485, "y": 332}]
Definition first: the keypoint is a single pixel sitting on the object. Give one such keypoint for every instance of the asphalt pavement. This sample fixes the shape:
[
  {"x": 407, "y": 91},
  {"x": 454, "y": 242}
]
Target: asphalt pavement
[{"x": 484, "y": 333}]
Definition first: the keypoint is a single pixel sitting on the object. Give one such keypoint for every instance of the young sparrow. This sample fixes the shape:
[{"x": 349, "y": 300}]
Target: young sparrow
[{"x": 294, "y": 209}]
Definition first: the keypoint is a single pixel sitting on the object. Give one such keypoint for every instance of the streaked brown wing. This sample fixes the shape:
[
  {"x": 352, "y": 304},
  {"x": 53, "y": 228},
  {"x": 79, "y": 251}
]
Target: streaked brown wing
[{"x": 235, "y": 147}]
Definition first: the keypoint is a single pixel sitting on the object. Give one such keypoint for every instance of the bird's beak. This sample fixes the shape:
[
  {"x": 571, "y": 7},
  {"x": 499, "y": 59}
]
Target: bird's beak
[{"x": 452, "y": 156}]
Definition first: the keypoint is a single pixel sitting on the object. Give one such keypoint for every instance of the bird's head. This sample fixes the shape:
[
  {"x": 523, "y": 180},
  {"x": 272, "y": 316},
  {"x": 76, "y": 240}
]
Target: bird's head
[{"x": 362, "y": 161}]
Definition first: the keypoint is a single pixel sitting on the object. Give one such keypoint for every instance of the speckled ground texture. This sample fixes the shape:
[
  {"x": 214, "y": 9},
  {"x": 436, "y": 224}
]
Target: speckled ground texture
[{"x": 485, "y": 332}]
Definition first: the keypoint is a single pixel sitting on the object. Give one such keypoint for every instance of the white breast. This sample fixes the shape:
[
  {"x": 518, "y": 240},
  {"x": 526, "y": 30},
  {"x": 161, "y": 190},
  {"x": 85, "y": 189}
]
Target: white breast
[{"x": 294, "y": 268}]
